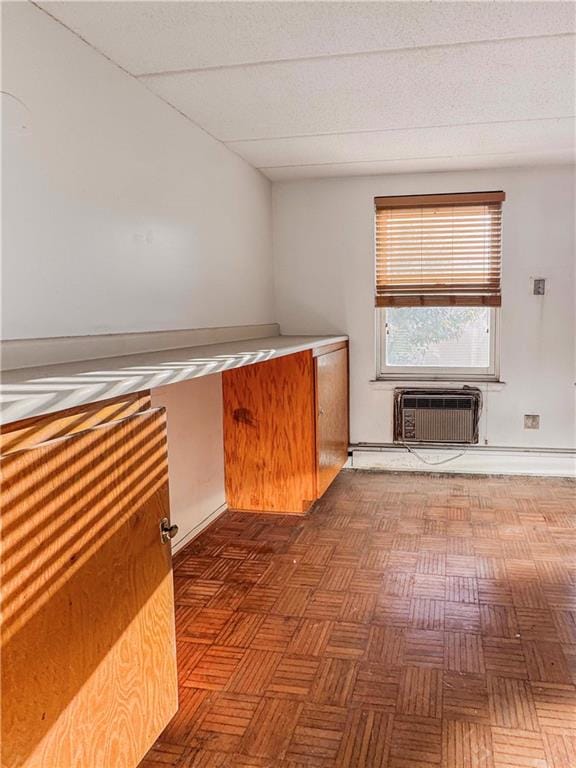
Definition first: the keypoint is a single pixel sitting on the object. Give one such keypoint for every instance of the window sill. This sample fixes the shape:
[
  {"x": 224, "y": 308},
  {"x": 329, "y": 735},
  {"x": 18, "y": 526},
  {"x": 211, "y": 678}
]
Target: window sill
[{"x": 486, "y": 385}]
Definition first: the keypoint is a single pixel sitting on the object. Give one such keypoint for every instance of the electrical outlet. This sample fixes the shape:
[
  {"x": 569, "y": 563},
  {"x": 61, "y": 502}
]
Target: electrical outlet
[
  {"x": 531, "y": 421},
  {"x": 539, "y": 286}
]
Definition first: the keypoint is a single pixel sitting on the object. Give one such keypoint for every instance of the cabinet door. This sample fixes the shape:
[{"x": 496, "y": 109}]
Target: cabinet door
[
  {"x": 331, "y": 415},
  {"x": 88, "y": 645},
  {"x": 269, "y": 435}
]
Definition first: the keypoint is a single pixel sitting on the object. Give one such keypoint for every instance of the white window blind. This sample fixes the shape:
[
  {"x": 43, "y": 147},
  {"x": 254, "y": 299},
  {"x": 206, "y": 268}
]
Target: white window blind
[{"x": 439, "y": 250}]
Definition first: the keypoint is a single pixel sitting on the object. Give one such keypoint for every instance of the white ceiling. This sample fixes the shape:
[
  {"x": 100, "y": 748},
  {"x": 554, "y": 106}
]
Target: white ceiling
[{"x": 306, "y": 89}]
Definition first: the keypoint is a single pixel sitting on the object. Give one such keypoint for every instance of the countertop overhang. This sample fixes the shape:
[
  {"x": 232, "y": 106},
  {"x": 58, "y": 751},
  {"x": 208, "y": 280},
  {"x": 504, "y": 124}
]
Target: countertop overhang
[{"x": 28, "y": 392}]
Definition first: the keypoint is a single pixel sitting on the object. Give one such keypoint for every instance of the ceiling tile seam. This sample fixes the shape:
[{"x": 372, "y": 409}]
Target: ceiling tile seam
[
  {"x": 157, "y": 96},
  {"x": 78, "y": 35},
  {"x": 397, "y": 130},
  {"x": 417, "y": 157},
  {"x": 348, "y": 54}
]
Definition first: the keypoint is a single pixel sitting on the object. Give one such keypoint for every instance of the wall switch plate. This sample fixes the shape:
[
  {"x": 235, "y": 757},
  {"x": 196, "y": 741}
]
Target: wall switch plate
[
  {"x": 531, "y": 421},
  {"x": 539, "y": 286}
]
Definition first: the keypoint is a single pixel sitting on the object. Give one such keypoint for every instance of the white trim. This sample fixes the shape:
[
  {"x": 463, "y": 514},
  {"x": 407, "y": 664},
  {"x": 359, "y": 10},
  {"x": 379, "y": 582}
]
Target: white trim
[
  {"x": 28, "y": 353},
  {"x": 485, "y": 386},
  {"x": 187, "y": 537},
  {"x": 467, "y": 459}
]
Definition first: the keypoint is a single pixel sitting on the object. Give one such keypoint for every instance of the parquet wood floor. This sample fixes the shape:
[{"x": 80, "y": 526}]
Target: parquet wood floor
[{"x": 407, "y": 621}]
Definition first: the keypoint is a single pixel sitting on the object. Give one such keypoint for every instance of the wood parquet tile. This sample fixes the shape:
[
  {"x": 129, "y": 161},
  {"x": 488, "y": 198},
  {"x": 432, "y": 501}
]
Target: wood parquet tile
[{"x": 406, "y": 622}]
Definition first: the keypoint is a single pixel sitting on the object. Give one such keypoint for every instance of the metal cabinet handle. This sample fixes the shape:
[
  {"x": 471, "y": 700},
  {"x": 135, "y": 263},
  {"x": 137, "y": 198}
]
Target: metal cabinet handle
[{"x": 167, "y": 531}]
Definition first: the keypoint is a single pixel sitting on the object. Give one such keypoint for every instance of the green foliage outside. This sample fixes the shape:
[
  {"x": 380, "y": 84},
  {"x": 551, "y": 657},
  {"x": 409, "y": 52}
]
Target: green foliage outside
[{"x": 415, "y": 329}]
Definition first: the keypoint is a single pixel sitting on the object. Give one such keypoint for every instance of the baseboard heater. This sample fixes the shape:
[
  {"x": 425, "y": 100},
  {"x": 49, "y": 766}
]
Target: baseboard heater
[{"x": 437, "y": 415}]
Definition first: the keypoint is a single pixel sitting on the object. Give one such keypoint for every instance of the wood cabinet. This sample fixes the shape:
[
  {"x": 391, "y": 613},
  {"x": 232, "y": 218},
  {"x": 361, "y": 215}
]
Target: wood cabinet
[
  {"x": 332, "y": 438},
  {"x": 88, "y": 662},
  {"x": 285, "y": 429}
]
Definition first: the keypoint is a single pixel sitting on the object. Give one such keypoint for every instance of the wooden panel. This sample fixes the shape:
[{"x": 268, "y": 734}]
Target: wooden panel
[
  {"x": 332, "y": 415},
  {"x": 88, "y": 646},
  {"x": 459, "y": 198},
  {"x": 327, "y": 348},
  {"x": 269, "y": 435},
  {"x": 38, "y": 429}
]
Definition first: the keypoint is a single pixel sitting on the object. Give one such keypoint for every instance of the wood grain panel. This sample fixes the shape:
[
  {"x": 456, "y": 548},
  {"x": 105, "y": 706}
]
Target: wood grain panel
[
  {"x": 367, "y": 740},
  {"x": 293, "y": 678},
  {"x": 226, "y": 721},
  {"x": 519, "y": 748},
  {"x": 332, "y": 416},
  {"x": 327, "y": 348},
  {"x": 28, "y": 432},
  {"x": 376, "y": 686},
  {"x": 512, "y": 704},
  {"x": 467, "y": 744},
  {"x": 215, "y": 668},
  {"x": 334, "y": 682},
  {"x": 88, "y": 646},
  {"x": 255, "y": 671},
  {"x": 348, "y": 641},
  {"x": 269, "y": 435},
  {"x": 420, "y": 692},
  {"x": 465, "y": 697},
  {"x": 417, "y": 743},
  {"x": 275, "y": 633},
  {"x": 317, "y": 735},
  {"x": 271, "y": 728}
]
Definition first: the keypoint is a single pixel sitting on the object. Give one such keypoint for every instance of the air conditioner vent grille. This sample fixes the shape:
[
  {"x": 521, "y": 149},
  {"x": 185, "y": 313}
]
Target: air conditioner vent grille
[
  {"x": 458, "y": 403},
  {"x": 439, "y": 416}
]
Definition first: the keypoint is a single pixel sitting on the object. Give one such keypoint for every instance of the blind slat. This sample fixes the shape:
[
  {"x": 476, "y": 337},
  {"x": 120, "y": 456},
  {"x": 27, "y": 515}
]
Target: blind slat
[
  {"x": 437, "y": 250},
  {"x": 407, "y": 202}
]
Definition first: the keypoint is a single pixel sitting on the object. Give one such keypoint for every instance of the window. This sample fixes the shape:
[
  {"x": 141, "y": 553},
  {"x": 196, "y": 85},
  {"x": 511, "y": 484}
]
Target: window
[
  {"x": 438, "y": 342},
  {"x": 438, "y": 265}
]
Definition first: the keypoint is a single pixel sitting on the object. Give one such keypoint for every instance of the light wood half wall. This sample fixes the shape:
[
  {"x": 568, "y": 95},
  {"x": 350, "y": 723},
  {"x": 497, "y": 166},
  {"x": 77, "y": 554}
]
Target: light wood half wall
[{"x": 88, "y": 661}]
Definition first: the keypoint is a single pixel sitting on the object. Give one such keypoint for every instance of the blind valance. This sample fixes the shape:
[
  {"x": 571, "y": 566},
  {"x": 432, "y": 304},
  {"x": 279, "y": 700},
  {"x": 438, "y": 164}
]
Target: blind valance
[{"x": 438, "y": 250}]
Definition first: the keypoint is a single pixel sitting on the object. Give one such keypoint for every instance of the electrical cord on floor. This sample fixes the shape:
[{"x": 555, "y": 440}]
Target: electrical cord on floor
[
  {"x": 450, "y": 458},
  {"x": 434, "y": 463}
]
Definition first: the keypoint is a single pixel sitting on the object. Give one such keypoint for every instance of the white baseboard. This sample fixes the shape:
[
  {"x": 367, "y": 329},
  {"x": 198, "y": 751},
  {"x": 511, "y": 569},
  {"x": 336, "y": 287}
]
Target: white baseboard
[
  {"x": 475, "y": 460},
  {"x": 187, "y": 537}
]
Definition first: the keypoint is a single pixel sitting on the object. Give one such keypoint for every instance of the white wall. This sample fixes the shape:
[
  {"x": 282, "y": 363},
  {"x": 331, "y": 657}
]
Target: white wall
[
  {"x": 118, "y": 213},
  {"x": 324, "y": 254},
  {"x": 195, "y": 451}
]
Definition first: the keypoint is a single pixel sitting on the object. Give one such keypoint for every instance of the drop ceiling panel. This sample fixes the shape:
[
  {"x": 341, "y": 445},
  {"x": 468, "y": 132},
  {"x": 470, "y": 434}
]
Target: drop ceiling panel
[
  {"x": 307, "y": 89},
  {"x": 146, "y": 37},
  {"x": 511, "y": 80},
  {"x": 429, "y": 165},
  {"x": 445, "y": 141}
]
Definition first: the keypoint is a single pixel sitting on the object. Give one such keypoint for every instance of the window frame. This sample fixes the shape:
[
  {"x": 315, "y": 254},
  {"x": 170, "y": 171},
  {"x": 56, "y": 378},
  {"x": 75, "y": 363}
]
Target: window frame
[{"x": 436, "y": 373}]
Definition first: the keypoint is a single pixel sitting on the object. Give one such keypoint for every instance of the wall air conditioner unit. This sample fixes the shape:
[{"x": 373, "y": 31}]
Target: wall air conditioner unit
[{"x": 437, "y": 415}]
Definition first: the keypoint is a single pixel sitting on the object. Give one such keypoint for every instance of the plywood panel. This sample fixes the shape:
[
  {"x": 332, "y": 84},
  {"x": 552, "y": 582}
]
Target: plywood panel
[
  {"x": 88, "y": 646},
  {"x": 332, "y": 415},
  {"x": 269, "y": 435},
  {"x": 324, "y": 350},
  {"x": 38, "y": 429}
]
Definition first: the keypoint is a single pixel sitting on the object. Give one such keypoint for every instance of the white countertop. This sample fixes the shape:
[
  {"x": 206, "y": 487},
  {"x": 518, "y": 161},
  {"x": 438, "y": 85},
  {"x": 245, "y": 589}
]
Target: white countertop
[{"x": 29, "y": 392}]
